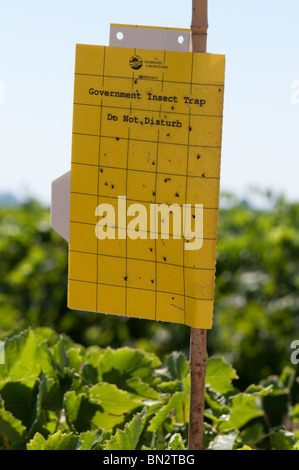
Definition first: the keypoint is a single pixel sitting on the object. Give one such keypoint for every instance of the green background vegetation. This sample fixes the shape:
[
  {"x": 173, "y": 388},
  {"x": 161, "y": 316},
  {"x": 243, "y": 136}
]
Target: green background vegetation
[{"x": 61, "y": 401}]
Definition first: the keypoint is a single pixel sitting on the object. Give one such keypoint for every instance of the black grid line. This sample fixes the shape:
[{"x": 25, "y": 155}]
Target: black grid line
[
  {"x": 220, "y": 116},
  {"x": 219, "y": 85},
  {"x": 115, "y": 226},
  {"x": 135, "y": 200},
  {"x": 149, "y": 141},
  {"x": 140, "y": 288},
  {"x": 98, "y": 190},
  {"x": 184, "y": 277},
  {"x": 126, "y": 295},
  {"x": 149, "y": 232},
  {"x": 156, "y": 270},
  {"x": 148, "y": 171},
  {"x": 142, "y": 259},
  {"x": 162, "y": 84}
]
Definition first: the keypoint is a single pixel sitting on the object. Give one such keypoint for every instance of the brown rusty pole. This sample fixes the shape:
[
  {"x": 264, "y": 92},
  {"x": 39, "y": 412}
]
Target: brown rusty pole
[{"x": 198, "y": 337}]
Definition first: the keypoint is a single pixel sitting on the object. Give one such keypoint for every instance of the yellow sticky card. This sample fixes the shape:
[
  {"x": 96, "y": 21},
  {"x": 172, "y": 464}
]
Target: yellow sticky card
[{"x": 145, "y": 174}]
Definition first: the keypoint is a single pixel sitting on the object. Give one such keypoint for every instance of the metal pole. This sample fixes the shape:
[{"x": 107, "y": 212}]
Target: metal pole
[{"x": 198, "y": 337}]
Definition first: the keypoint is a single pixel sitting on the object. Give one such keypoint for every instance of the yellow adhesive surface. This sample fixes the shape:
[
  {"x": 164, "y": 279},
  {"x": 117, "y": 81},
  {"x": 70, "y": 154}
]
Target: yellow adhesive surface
[{"x": 121, "y": 148}]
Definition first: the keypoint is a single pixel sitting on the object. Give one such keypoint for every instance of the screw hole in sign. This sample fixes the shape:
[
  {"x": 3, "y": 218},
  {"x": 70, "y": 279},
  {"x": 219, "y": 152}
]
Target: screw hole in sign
[
  {"x": 120, "y": 36},
  {"x": 180, "y": 39}
]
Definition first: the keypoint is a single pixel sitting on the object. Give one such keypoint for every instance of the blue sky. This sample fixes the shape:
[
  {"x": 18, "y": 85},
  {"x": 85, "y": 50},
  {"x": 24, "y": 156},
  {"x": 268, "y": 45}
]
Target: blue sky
[{"x": 260, "y": 39}]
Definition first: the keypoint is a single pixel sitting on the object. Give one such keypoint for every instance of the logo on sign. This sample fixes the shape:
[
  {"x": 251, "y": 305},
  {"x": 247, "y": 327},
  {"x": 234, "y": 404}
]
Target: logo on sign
[{"x": 136, "y": 62}]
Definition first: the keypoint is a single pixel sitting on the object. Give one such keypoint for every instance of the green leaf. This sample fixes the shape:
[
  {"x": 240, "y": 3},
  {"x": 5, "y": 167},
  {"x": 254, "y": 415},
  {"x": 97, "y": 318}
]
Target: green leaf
[
  {"x": 115, "y": 366},
  {"x": 277, "y": 386},
  {"x": 209, "y": 434},
  {"x": 37, "y": 443},
  {"x": 296, "y": 446},
  {"x": 75, "y": 359},
  {"x": 25, "y": 358},
  {"x": 114, "y": 403},
  {"x": 44, "y": 387},
  {"x": 223, "y": 441},
  {"x": 295, "y": 413},
  {"x": 79, "y": 411},
  {"x": 253, "y": 433},
  {"x": 10, "y": 427},
  {"x": 90, "y": 440},
  {"x": 107, "y": 421},
  {"x": 244, "y": 407},
  {"x": 60, "y": 355},
  {"x": 72, "y": 404},
  {"x": 287, "y": 377},
  {"x": 177, "y": 400},
  {"x": 281, "y": 439},
  {"x": 171, "y": 386},
  {"x": 112, "y": 399},
  {"x": 57, "y": 441},
  {"x": 259, "y": 390},
  {"x": 177, "y": 365},
  {"x": 128, "y": 438},
  {"x": 141, "y": 388},
  {"x": 176, "y": 443},
  {"x": 45, "y": 334},
  {"x": 219, "y": 375},
  {"x": 217, "y": 414}
]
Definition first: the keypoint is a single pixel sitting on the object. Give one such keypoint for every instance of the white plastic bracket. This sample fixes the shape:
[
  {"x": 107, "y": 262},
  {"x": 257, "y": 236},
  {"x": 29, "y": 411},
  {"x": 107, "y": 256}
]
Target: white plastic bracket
[
  {"x": 142, "y": 37},
  {"x": 60, "y": 205}
]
